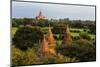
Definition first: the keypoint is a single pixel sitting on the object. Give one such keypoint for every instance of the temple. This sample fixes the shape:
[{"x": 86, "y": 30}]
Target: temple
[
  {"x": 40, "y": 16},
  {"x": 44, "y": 47},
  {"x": 67, "y": 37},
  {"x": 48, "y": 44},
  {"x": 51, "y": 41}
]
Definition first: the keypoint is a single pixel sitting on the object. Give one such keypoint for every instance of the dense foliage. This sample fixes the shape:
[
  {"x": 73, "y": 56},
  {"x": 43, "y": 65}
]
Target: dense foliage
[
  {"x": 82, "y": 49},
  {"x": 25, "y": 37},
  {"x": 20, "y": 57},
  {"x": 30, "y": 56},
  {"x": 85, "y": 36}
]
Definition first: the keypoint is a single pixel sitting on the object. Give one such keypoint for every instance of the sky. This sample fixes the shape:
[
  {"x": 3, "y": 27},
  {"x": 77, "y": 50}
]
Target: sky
[{"x": 55, "y": 11}]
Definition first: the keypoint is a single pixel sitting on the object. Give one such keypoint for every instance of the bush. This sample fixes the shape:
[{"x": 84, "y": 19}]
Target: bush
[
  {"x": 82, "y": 49},
  {"x": 92, "y": 28},
  {"x": 61, "y": 37},
  {"x": 14, "y": 24},
  {"x": 30, "y": 57},
  {"x": 85, "y": 36},
  {"x": 59, "y": 29},
  {"x": 75, "y": 31},
  {"x": 17, "y": 56},
  {"x": 24, "y": 57},
  {"x": 75, "y": 37},
  {"x": 26, "y": 37},
  {"x": 58, "y": 59}
]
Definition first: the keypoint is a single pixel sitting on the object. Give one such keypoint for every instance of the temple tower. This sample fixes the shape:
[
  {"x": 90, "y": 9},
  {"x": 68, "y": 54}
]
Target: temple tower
[
  {"x": 43, "y": 50},
  {"x": 50, "y": 38},
  {"x": 67, "y": 37},
  {"x": 40, "y": 16},
  {"x": 48, "y": 44},
  {"x": 51, "y": 41}
]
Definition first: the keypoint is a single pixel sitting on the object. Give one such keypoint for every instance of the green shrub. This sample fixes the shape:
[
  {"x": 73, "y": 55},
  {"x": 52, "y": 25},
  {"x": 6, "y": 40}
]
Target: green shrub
[
  {"x": 75, "y": 38},
  {"x": 85, "y": 36},
  {"x": 75, "y": 31},
  {"x": 82, "y": 49},
  {"x": 24, "y": 57},
  {"x": 17, "y": 56},
  {"x": 58, "y": 59},
  {"x": 26, "y": 37},
  {"x": 59, "y": 29},
  {"x": 30, "y": 57}
]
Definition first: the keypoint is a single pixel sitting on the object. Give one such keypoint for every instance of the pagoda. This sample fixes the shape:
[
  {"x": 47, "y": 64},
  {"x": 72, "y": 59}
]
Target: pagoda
[
  {"x": 44, "y": 47},
  {"x": 40, "y": 16},
  {"x": 48, "y": 44},
  {"x": 67, "y": 37},
  {"x": 51, "y": 41},
  {"x": 50, "y": 38}
]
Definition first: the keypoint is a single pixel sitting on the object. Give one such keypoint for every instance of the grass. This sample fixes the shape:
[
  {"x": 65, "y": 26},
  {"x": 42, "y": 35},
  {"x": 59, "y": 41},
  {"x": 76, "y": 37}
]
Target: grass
[
  {"x": 77, "y": 29},
  {"x": 92, "y": 36},
  {"x": 75, "y": 34}
]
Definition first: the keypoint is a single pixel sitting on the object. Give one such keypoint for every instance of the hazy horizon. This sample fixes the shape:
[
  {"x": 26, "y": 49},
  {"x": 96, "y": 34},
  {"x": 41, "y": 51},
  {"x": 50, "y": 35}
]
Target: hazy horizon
[{"x": 55, "y": 11}]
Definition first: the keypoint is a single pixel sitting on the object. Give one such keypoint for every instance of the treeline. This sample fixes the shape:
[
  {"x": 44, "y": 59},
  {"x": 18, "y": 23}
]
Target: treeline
[{"x": 91, "y": 25}]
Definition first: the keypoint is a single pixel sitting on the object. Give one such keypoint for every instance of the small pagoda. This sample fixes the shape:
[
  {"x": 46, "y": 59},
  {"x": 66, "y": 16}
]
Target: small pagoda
[
  {"x": 44, "y": 47},
  {"x": 67, "y": 37},
  {"x": 48, "y": 44},
  {"x": 51, "y": 41}
]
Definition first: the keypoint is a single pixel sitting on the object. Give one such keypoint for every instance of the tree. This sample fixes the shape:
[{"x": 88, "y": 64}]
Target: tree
[
  {"x": 77, "y": 24},
  {"x": 14, "y": 23},
  {"x": 26, "y": 37},
  {"x": 59, "y": 29},
  {"x": 62, "y": 59},
  {"x": 30, "y": 57},
  {"x": 82, "y": 49},
  {"x": 85, "y": 36},
  {"x": 27, "y": 21},
  {"x": 17, "y": 56},
  {"x": 17, "y": 22},
  {"x": 92, "y": 28},
  {"x": 24, "y": 57}
]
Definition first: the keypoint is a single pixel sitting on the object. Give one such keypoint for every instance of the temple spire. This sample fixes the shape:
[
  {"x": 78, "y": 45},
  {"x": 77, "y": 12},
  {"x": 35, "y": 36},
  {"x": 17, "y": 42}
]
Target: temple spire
[
  {"x": 40, "y": 13},
  {"x": 40, "y": 16}
]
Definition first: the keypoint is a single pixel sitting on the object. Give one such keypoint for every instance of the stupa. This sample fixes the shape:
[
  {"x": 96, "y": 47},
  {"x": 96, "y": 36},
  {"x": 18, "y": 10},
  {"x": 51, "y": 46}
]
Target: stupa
[
  {"x": 40, "y": 16},
  {"x": 44, "y": 47},
  {"x": 67, "y": 37},
  {"x": 48, "y": 44},
  {"x": 51, "y": 41}
]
